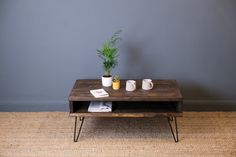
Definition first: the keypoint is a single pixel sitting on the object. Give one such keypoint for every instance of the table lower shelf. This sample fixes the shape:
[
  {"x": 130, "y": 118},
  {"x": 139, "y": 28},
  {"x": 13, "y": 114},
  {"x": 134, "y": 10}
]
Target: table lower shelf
[{"x": 130, "y": 109}]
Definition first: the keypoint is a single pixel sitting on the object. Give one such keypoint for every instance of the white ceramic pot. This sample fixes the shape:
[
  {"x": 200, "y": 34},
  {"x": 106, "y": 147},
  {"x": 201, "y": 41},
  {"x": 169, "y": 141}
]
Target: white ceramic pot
[{"x": 106, "y": 81}]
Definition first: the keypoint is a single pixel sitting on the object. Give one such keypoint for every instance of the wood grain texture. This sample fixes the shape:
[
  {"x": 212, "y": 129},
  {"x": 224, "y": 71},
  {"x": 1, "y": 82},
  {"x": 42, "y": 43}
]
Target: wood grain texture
[
  {"x": 163, "y": 90},
  {"x": 163, "y": 100},
  {"x": 133, "y": 114}
]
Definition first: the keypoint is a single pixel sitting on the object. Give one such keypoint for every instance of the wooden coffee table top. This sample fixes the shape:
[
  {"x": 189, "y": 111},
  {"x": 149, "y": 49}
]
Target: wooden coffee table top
[{"x": 163, "y": 90}]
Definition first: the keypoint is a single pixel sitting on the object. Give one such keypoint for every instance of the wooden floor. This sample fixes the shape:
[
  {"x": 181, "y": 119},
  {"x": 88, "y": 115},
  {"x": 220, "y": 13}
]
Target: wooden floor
[{"x": 25, "y": 134}]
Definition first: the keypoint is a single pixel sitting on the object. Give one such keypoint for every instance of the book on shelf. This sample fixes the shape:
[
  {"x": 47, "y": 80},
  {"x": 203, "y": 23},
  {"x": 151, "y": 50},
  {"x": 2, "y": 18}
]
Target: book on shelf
[
  {"x": 100, "y": 106},
  {"x": 99, "y": 93}
]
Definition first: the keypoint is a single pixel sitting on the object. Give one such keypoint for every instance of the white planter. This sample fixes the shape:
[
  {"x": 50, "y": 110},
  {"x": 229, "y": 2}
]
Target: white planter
[{"x": 106, "y": 81}]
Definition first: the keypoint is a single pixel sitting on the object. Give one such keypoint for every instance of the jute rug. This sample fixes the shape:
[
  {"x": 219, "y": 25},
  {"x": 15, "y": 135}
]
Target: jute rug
[{"x": 50, "y": 134}]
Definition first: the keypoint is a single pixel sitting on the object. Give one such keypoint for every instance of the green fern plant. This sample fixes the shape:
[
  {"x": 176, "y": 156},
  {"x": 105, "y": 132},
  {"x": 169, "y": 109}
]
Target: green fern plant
[{"x": 109, "y": 53}]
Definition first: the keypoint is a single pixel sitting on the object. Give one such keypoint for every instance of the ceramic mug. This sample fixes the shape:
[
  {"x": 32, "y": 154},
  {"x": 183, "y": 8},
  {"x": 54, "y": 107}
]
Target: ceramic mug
[
  {"x": 130, "y": 85},
  {"x": 147, "y": 84}
]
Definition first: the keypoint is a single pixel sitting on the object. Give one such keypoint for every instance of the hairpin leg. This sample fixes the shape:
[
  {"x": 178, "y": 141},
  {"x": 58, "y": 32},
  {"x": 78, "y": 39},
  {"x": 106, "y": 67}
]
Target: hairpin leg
[
  {"x": 76, "y": 137},
  {"x": 170, "y": 119}
]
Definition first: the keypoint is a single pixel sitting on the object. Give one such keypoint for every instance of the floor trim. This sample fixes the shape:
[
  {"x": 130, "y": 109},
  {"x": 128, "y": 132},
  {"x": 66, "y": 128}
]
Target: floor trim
[
  {"x": 209, "y": 105},
  {"x": 33, "y": 106},
  {"x": 39, "y": 106}
]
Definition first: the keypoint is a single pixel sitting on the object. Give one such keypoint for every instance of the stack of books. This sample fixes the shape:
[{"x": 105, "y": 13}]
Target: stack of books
[{"x": 100, "y": 106}]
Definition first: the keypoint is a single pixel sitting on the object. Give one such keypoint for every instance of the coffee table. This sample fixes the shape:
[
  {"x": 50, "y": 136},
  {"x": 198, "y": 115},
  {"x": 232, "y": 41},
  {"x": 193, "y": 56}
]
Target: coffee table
[{"x": 164, "y": 100}]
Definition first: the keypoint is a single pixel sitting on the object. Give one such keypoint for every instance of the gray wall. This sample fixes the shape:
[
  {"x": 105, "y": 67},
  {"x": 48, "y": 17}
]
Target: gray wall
[{"x": 46, "y": 44}]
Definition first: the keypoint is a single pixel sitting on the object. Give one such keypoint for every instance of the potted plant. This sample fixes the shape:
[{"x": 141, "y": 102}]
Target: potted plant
[
  {"x": 116, "y": 82},
  {"x": 109, "y": 54}
]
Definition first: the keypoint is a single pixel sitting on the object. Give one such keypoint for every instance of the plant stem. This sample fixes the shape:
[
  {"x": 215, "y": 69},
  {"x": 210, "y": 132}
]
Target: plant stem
[{"x": 107, "y": 72}]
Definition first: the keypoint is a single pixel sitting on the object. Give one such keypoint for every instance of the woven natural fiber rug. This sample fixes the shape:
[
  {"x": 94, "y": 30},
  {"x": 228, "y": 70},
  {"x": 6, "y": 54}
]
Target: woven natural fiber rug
[{"x": 50, "y": 134}]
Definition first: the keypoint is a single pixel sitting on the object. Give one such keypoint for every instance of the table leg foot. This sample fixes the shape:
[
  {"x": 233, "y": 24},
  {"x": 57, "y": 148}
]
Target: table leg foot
[
  {"x": 76, "y": 135},
  {"x": 175, "y": 135}
]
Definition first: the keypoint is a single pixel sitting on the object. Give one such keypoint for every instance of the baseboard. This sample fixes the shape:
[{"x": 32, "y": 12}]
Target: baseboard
[
  {"x": 33, "y": 106},
  {"x": 53, "y": 106},
  {"x": 209, "y": 105}
]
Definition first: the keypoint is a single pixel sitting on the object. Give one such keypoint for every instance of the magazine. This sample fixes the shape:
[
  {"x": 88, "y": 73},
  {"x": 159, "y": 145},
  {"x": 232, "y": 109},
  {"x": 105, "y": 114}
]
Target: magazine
[
  {"x": 99, "y": 93},
  {"x": 100, "y": 106}
]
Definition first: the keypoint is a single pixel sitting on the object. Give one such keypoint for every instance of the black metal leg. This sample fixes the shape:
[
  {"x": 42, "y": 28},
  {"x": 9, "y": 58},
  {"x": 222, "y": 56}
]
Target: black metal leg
[
  {"x": 176, "y": 138},
  {"x": 75, "y": 127}
]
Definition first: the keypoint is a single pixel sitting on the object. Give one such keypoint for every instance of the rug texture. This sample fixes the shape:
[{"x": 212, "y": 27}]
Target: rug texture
[{"x": 50, "y": 134}]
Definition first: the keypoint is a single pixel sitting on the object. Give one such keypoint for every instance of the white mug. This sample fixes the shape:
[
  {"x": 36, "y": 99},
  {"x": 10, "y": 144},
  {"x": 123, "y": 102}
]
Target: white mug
[
  {"x": 147, "y": 84},
  {"x": 130, "y": 85}
]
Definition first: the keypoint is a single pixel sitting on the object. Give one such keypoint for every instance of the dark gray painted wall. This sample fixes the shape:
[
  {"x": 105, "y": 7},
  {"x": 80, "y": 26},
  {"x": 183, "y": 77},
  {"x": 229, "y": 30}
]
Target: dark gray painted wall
[{"x": 46, "y": 44}]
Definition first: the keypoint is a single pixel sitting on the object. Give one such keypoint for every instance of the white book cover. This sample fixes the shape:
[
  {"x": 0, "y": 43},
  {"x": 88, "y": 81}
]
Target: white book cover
[
  {"x": 100, "y": 106},
  {"x": 99, "y": 93}
]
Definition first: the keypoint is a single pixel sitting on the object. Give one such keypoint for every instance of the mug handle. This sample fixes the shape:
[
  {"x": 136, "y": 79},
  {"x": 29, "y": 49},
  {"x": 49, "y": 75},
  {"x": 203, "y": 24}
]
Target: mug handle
[{"x": 151, "y": 85}]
